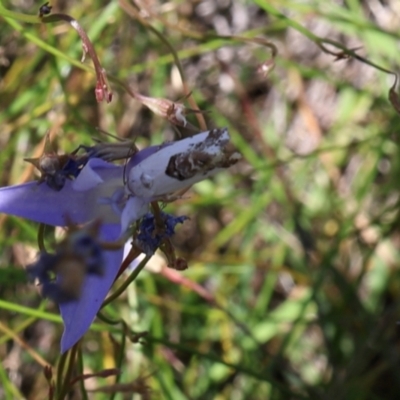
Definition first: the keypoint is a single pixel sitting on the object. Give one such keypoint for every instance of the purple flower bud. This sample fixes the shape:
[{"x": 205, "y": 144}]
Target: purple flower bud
[{"x": 151, "y": 235}]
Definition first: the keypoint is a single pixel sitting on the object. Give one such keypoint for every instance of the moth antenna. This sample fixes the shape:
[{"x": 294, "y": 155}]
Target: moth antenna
[
  {"x": 98, "y": 129},
  {"x": 130, "y": 153}
]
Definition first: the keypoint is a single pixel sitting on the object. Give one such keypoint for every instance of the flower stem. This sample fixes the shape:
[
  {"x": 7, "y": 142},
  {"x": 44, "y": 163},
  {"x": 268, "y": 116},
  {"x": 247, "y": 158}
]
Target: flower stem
[
  {"x": 107, "y": 320},
  {"x": 134, "y": 11},
  {"x": 60, "y": 372},
  {"x": 41, "y": 245},
  {"x": 65, "y": 386},
  {"x": 127, "y": 282},
  {"x": 32, "y": 19},
  {"x": 81, "y": 371}
]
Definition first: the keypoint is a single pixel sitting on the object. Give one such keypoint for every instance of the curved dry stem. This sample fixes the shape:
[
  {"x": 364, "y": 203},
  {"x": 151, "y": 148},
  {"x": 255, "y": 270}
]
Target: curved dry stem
[
  {"x": 102, "y": 90},
  {"x": 133, "y": 11}
]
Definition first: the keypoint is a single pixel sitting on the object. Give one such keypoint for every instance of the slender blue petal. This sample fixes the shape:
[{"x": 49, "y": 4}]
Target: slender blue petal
[
  {"x": 40, "y": 203},
  {"x": 78, "y": 315}
]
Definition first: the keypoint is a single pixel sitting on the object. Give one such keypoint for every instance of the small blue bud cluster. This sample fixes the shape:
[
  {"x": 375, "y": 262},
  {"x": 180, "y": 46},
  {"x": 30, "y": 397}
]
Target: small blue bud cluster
[{"x": 150, "y": 235}]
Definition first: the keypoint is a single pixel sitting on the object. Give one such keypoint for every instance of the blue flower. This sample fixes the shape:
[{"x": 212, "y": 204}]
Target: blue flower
[
  {"x": 80, "y": 192},
  {"x": 98, "y": 192},
  {"x": 151, "y": 235}
]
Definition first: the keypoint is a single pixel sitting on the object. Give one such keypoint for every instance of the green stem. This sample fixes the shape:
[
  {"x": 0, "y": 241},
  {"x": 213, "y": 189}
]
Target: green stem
[
  {"x": 107, "y": 320},
  {"x": 127, "y": 282},
  {"x": 81, "y": 372},
  {"x": 119, "y": 360},
  {"x": 66, "y": 386},
  {"x": 39, "y": 314},
  {"x": 31, "y": 19},
  {"x": 60, "y": 372},
  {"x": 41, "y": 244}
]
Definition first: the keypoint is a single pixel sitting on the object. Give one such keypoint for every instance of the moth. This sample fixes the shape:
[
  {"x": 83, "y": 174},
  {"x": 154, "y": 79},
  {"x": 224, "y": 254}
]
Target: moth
[{"x": 180, "y": 164}]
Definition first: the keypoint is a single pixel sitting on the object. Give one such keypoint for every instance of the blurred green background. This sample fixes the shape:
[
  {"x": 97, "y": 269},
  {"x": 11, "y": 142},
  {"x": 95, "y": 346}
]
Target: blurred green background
[{"x": 293, "y": 283}]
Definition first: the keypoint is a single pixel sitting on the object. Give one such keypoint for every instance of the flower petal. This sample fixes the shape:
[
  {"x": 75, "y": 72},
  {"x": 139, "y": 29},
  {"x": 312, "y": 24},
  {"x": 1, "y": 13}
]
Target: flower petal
[
  {"x": 41, "y": 204},
  {"x": 134, "y": 209},
  {"x": 143, "y": 154},
  {"x": 78, "y": 315},
  {"x": 77, "y": 200},
  {"x": 88, "y": 177}
]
